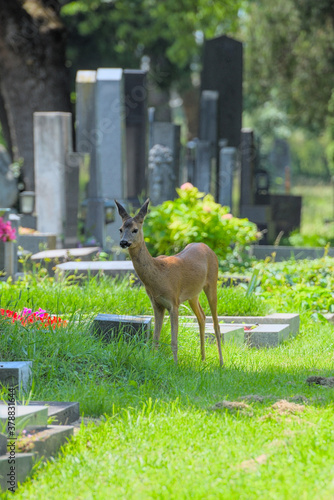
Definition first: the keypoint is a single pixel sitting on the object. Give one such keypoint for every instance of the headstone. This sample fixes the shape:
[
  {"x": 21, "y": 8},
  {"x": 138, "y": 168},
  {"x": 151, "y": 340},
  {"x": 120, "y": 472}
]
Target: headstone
[
  {"x": 110, "y": 124},
  {"x": 227, "y": 165},
  {"x": 8, "y": 182},
  {"x": 208, "y": 123},
  {"x": 8, "y": 258},
  {"x": 161, "y": 177},
  {"x": 286, "y": 213},
  {"x": 73, "y": 162},
  {"x": 280, "y": 157},
  {"x": 203, "y": 166},
  {"x": 222, "y": 72},
  {"x": 109, "y": 326},
  {"x": 168, "y": 135},
  {"x": 136, "y": 133},
  {"x": 247, "y": 154},
  {"x": 87, "y": 137},
  {"x": 190, "y": 161},
  {"x": 56, "y": 174},
  {"x": 110, "y": 148},
  {"x": 16, "y": 374}
]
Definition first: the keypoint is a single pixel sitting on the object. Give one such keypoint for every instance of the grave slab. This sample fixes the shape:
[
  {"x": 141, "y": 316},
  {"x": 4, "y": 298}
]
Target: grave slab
[
  {"x": 64, "y": 253},
  {"x": 110, "y": 268},
  {"x": 23, "y": 465},
  {"x": 291, "y": 319},
  {"x": 267, "y": 335},
  {"x": 63, "y": 413},
  {"x": 24, "y": 416},
  {"x": 229, "y": 333},
  {"x": 16, "y": 374},
  {"x": 45, "y": 441},
  {"x": 108, "y": 326}
]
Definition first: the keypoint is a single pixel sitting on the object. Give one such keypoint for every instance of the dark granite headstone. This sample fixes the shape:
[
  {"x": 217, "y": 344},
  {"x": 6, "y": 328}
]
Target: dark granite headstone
[
  {"x": 286, "y": 212},
  {"x": 247, "y": 156},
  {"x": 168, "y": 135},
  {"x": 222, "y": 71},
  {"x": 136, "y": 132},
  {"x": 108, "y": 326},
  {"x": 202, "y": 174}
]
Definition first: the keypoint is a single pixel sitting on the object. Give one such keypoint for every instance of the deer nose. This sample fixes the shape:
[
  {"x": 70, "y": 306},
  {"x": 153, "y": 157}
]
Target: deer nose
[{"x": 124, "y": 244}]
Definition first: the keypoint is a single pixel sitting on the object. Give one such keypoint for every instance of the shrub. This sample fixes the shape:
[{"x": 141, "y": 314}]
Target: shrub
[{"x": 193, "y": 217}]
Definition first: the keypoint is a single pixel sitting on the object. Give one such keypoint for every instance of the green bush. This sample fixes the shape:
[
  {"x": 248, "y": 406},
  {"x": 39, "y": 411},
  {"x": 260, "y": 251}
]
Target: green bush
[{"x": 193, "y": 217}]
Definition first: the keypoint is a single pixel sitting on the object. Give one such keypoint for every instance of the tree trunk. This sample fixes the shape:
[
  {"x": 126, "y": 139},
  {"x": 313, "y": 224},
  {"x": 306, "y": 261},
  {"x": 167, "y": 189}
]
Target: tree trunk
[{"x": 33, "y": 76}]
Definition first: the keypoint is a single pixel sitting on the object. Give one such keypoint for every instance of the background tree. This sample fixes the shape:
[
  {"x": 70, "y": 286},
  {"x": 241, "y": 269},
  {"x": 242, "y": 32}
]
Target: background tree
[
  {"x": 34, "y": 60},
  {"x": 33, "y": 75},
  {"x": 290, "y": 58}
]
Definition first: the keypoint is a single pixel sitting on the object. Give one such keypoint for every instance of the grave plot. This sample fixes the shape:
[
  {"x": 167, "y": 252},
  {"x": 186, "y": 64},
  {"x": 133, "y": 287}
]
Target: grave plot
[
  {"x": 32, "y": 438},
  {"x": 259, "y": 331},
  {"x": 255, "y": 331}
]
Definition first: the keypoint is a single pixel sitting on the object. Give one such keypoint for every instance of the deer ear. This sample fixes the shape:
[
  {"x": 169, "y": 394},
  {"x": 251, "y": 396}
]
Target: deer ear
[
  {"x": 122, "y": 212},
  {"x": 142, "y": 212}
]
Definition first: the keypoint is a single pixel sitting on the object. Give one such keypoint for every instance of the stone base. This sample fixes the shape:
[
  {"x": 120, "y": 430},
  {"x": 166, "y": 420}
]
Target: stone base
[
  {"x": 108, "y": 326},
  {"x": 39, "y": 441},
  {"x": 16, "y": 374},
  {"x": 267, "y": 331}
]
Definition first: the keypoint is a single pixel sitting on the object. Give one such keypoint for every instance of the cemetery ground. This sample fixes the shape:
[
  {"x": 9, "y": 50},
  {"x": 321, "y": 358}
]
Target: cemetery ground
[{"x": 162, "y": 431}]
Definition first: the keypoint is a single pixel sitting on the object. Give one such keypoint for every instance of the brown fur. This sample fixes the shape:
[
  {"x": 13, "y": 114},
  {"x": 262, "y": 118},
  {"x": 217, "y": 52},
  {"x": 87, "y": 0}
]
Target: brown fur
[{"x": 169, "y": 281}]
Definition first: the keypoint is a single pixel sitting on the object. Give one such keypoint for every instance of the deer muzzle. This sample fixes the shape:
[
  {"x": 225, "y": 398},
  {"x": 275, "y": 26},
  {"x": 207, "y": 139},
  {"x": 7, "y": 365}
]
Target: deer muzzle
[{"x": 125, "y": 244}]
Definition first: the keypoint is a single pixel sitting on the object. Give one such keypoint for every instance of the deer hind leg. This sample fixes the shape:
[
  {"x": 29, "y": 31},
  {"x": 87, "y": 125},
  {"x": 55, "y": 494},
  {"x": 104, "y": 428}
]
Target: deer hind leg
[
  {"x": 210, "y": 291},
  {"x": 199, "y": 313},
  {"x": 174, "y": 321},
  {"x": 159, "y": 312}
]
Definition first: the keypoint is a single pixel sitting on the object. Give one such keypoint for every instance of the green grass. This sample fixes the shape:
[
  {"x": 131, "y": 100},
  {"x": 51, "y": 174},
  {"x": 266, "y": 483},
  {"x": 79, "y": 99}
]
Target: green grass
[
  {"x": 317, "y": 206},
  {"x": 158, "y": 438}
]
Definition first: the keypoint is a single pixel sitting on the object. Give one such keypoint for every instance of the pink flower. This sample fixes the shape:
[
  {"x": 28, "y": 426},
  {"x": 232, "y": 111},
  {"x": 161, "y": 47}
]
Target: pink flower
[
  {"x": 227, "y": 216},
  {"x": 7, "y": 233},
  {"x": 187, "y": 186},
  {"x": 206, "y": 208}
]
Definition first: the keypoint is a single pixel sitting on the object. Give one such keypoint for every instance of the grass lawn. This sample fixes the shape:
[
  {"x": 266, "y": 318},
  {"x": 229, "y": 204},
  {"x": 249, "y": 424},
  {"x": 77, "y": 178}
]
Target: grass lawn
[{"x": 161, "y": 435}]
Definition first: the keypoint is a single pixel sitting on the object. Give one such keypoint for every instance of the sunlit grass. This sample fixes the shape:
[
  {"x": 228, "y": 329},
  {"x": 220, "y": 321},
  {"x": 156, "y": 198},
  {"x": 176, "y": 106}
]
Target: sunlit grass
[{"x": 158, "y": 437}]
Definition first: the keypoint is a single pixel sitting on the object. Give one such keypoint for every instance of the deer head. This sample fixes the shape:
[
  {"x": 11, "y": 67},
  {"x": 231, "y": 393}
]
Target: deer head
[{"x": 132, "y": 227}]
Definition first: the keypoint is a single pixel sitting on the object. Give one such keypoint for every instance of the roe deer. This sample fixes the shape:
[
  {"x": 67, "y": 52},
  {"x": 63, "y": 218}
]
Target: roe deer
[{"x": 169, "y": 281}]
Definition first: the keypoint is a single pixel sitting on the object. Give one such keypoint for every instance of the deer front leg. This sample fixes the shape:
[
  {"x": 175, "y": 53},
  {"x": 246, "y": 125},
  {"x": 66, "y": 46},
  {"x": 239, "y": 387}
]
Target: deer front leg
[
  {"x": 174, "y": 321},
  {"x": 159, "y": 312}
]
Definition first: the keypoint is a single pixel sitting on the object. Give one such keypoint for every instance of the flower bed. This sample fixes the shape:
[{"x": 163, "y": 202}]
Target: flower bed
[{"x": 40, "y": 318}]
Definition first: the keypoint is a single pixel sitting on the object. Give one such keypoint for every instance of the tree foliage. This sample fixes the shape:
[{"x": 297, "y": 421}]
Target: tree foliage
[
  {"x": 121, "y": 32},
  {"x": 290, "y": 57}
]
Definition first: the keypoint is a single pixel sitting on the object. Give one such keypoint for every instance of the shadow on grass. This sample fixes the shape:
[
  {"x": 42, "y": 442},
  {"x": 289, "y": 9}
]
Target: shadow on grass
[{"x": 73, "y": 365}]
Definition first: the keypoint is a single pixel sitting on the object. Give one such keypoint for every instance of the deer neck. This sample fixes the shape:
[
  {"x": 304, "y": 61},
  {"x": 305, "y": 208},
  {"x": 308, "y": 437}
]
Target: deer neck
[{"x": 142, "y": 261}]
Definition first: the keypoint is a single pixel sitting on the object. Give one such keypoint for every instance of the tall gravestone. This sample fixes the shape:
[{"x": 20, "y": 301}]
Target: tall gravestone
[
  {"x": 110, "y": 146},
  {"x": 136, "y": 133},
  {"x": 202, "y": 172},
  {"x": 227, "y": 163},
  {"x": 56, "y": 184},
  {"x": 247, "y": 175},
  {"x": 87, "y": 136},
  {"x": 161, "y": 179},
  {"x": 110, "y": 127},
  {"x": 168, "y": 135},
  {"x": 208, "y": 122},
  {"x": 222, "y": 72}
]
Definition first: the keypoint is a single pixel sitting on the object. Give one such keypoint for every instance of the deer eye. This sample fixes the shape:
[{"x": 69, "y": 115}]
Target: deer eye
[
  {"x": 135, "y": 231},
  {"x": 121, "y": 230}
]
